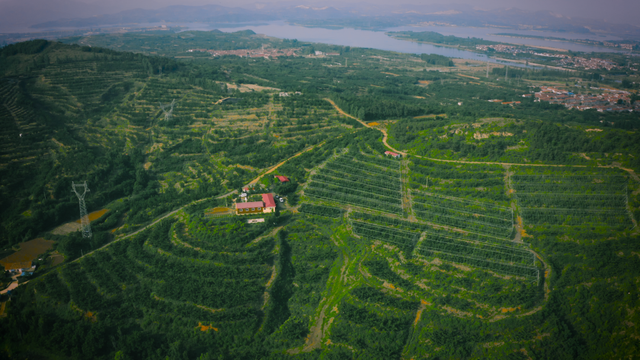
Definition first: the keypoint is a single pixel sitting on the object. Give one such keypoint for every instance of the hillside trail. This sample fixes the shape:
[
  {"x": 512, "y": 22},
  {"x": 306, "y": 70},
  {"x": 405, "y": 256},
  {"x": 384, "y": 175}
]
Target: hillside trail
[
  {"x": 273, "y": 168},
  {"x": 385, "y": 137},
  {"x": 546, "y": 269},
  {"x": 167, "y": 215},
  {"x": 270, "y": 234},
  {"x": 383, "y": 131},
  {"x": 343, "y": 277}
]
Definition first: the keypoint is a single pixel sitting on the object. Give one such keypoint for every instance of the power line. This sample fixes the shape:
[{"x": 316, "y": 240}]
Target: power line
[{"x": 84, "y": 218}]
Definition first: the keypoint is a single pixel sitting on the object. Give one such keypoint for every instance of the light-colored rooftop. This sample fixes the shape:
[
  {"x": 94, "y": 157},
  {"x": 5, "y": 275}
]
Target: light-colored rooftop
[{"x": 249, "y": 205}]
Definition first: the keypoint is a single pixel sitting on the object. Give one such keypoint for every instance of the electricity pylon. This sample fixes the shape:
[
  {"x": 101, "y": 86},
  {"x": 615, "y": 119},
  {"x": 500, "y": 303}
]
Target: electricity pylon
[
  {"x": 167, "y": 114},
  {"x": 84, "y": 218}
]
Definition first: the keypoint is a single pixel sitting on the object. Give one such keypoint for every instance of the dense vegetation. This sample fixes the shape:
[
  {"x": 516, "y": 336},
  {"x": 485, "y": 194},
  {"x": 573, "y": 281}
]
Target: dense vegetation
[{"x": 459, "y": 249}]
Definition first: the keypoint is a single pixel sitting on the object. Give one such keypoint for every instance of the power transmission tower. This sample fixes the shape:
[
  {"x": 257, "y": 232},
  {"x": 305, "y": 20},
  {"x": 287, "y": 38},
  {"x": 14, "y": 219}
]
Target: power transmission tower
[
  {"x": 506, "y": 74},
  {"x": 84, "y": 218},
  {"x": 487, "y": 69},
  {"x": 167, "y": 114}
]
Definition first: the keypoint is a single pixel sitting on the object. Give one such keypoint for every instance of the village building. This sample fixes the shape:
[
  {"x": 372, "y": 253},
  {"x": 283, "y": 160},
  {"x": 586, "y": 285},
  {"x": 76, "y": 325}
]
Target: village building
[
  {"x": 249, "y": 208},
  {"x": 282, "y": 178},
  {"x": 269, "y": 203},
  {"x": 22, "y": 268},
  {"x": 391, "y": 153}
]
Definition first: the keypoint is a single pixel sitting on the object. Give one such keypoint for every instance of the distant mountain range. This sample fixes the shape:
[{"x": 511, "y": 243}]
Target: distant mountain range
[{"x": 350, "y": 15}]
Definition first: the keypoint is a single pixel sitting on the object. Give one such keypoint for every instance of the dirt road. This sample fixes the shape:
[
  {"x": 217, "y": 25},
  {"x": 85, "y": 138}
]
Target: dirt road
[
  {"x": 167, "y": 215},
  {"x": 384, "y": 132},
  {"x": 384, "y": 140},
  {"x": 273, "y": 168}
]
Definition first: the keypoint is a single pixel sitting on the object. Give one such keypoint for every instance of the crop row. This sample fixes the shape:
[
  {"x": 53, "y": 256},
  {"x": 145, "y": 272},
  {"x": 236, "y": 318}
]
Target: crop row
[
  {"x": 571, "y": 188},
  {"x": 573, "y": 201},
  {"x": 462, "y": 214},
  {"x": 460, "y": 222},
  {"x": 450, "y": 245},
  {"x": 471, "y": 206},
  {"x": 360, "y": 177},
  {"x": 452, "y": 173},
  {"x": 497, "y": 267},
  {"x": 360, "y": 161},
  {"x": 572, "y": 179},
  {"x": 406, "y": 240},
  {"x": 352, "y": 188},
  {"x": 104, "y": 279},
  {"x": 403, "y": 224},
  {"x": 362, "y": 171},
  {"x": 321, "y": 210},
  {"x": 360, "y": 186},
  {"x": 388, "y": 163},
  {"x": 370, "y": 168},
  {"x": 358, "y": 200},
  {"x": 618, "y": 217}
]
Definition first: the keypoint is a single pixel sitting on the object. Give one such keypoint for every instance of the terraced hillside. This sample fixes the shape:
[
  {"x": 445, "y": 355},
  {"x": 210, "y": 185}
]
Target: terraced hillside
[
  {"x": 93, "y": 114},
  {"x": 193, "y": 276},
  {"x": 502, "y": 232}
]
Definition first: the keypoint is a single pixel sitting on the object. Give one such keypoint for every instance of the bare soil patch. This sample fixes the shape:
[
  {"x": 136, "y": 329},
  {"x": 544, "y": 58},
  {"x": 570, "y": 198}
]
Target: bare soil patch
[
  {"x": 56, "y": 259},
  {"x": 67, "y": 228},
  {"x": 29, "y": 251},
  {"x": 95, "y": 215}
]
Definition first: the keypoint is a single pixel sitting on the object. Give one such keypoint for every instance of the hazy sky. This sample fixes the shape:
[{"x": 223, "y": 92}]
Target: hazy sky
[
  {"x": 627, "y": 11},
  {"x": 22, "y": 13}
]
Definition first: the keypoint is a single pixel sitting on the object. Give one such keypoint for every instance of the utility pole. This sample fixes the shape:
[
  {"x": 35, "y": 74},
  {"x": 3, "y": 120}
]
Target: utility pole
[
  {"x": 84, "y": 218},
  {"x": 167, "y": 114}
]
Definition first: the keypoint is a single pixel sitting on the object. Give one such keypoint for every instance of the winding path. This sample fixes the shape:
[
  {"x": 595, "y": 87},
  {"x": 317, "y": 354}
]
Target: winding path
[
  {"x": 546, "y": 268},
  {"x": 167, "y": 215},
  {"x": 385, "y": 137},
  {"x": 384, "y": 132}
]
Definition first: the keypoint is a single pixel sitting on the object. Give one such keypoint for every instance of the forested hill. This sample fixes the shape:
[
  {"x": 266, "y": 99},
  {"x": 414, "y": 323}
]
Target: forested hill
[{"x": 55, "y": 98}]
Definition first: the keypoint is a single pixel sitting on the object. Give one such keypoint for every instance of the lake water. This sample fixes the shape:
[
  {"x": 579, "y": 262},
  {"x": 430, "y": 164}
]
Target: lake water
[
  {"x": 356, "y": 38},
  {"x": 379, "y": 40},
  {"x": 489, "y": 34}
]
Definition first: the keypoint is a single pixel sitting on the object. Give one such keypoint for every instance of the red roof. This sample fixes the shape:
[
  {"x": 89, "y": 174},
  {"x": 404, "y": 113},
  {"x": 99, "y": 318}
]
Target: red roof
[
  {"x": 282, "y": 178},
  {"x": 248, "y": 205},
  {"x": 391, "y": 153},
  {"x": 268, "y": 200}
]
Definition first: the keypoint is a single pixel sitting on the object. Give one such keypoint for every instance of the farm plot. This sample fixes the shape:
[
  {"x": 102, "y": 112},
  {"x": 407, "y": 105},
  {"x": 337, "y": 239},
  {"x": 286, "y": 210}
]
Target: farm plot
[
  {"x": 359, "y": 182},
  {"x": 320, "y": 210},
  {"x": 578, "y": 200},
  {"x": 405, "y": 240},
  {"x": 22, "y": 139},
  {"x": 528, "y": 272},
  {"x": 452, "y": 244},
  {"x": 29, "y": 251},
  {"x": 482, "y": 182},
  {"x": 506, "y": 258},
  {"x": 476, "y": 216},
  {"x": 173, "y": 280},
  {"x": 473, "y": 249}
]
